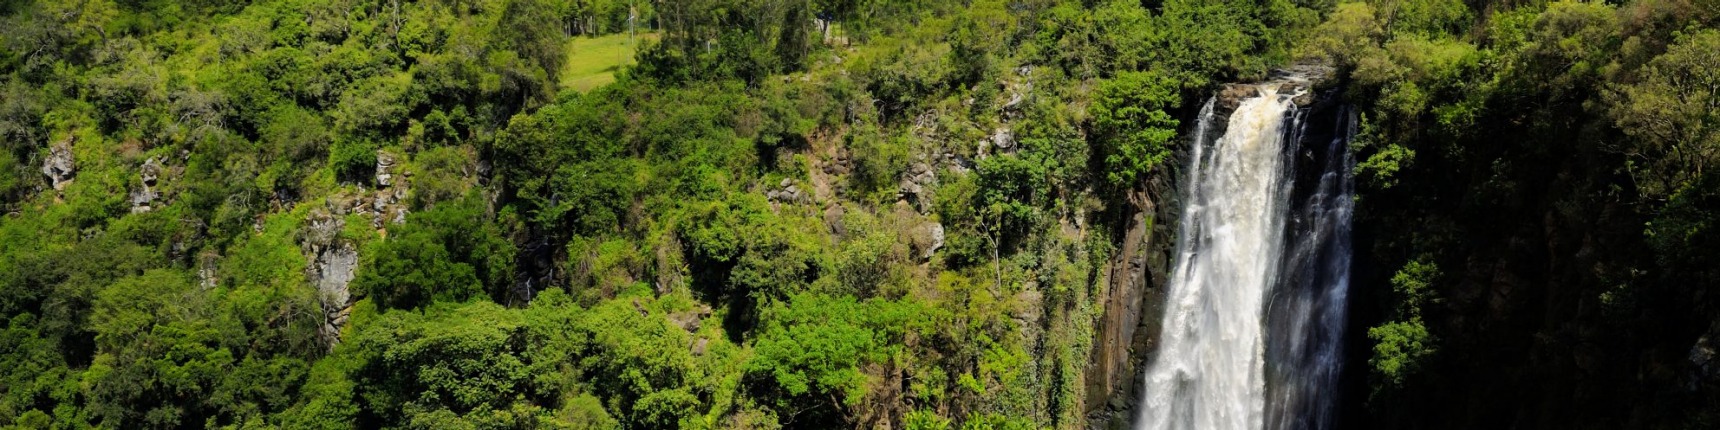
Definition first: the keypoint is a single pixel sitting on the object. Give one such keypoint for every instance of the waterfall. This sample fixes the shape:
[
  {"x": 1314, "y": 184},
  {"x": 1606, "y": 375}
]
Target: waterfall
[
  {"x": 1255, "y": 301},
  {"x": 1305, "y": 318}
]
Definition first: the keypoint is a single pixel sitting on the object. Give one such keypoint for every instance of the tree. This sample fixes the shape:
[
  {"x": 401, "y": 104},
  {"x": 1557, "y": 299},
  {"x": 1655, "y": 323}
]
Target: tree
[
  {"x": 1132, "y": 131},
  {"x": 451, "y": 252},
  {"x": 1403, "y": 345},
  {"x": 453, "y": 364},
  {"x": 809, "y": 355},
  {"x": 1673, "y": 112}
]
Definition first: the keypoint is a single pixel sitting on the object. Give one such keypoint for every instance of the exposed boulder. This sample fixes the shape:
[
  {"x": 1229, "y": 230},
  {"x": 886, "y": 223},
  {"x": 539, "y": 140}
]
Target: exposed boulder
[
  {"x": 150, "y": 172},
  {"x": 1003, "y": 139},
  {"x": 1232, "y": 95},
  {"x": 914, "y": 184},
  {"x": 690, "y": 319},
  {"x": 788, "y": 192},
  {"x": 833, "y": 218},
  {"x": 384, "y": 168},
  {"x": 333, "y": 271},
  {"x": 927, "y": 239},
  {"x": 207, "y": 277},
  {"x": 143, "y": 197},
  {"x": 59, "y": 166}
]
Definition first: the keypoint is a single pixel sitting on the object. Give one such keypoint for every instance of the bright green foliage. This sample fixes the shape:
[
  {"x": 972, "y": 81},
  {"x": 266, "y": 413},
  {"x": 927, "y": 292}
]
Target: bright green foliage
[
  {"x": 878, "y": 161},
  {"x": 1349, "y": 35},
  {"x": 814, "y": 347},
  {"x": 447, "y": 253},
  {"x": 1413, "y": 286},
  {"x": 924, "y": 420},
  {"x": 1134, "y": 132},
  {"x": 1433, "y": 17},
  {"x": 1403, "y": 345},
  {"x": 638, "y": 361},
  {"x": 466, "y": 363},
  {"x": 1380, "y": 169},
  {"x": 1399, "y": 349},
  {"x": 1673, "y": 112},
  {"x": 627, "y": 255}
]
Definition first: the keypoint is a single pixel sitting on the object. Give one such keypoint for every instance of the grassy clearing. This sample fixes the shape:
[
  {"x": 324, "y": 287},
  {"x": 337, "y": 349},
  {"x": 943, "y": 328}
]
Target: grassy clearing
[{"x": 593, "y": 61}]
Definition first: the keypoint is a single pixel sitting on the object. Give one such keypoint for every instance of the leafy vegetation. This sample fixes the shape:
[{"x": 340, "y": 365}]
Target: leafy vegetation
[{"x": 811, "y": 214}]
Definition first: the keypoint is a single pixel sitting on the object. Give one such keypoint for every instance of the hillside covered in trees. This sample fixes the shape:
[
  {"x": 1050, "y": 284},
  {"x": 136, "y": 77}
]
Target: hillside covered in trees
[{"x": 929, "y": 214}]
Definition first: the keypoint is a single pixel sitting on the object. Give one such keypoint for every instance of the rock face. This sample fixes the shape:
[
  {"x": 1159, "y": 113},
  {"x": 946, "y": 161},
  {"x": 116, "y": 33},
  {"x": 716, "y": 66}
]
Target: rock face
[
  {"x": 1705, "y": 368},
  {"x": 331, "y": 270},
  {"x": 1303, "y": 79},
  {"x": 936, "y": 232},
  {"x": 1126, "y": 336},
  {"x": 143, "y": 197},
  {"x": 384, "y": 169},
  {"x": 927, "y": 239},
  {"x": 1003, "y": 139},
  {"x": 207, "y": 278},
  {"x": 914, "y": 185},
  {"x": 334, "y": 267},
  {"x": 59, "y": 166}
]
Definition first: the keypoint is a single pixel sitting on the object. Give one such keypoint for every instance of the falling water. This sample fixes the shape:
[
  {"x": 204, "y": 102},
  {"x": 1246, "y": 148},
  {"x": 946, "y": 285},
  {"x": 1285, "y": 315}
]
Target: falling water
[
  {"x": 1255, "y": 301},
  {"x": 1305, "y": 318}
]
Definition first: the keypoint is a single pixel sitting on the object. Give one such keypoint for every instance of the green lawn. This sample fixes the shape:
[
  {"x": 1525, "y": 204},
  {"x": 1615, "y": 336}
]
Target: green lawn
[{"x": 593, "y": 61}]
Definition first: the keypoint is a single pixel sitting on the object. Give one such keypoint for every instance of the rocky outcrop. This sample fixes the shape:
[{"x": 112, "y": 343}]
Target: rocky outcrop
[
  {"x": 1302, "y": 79},
  {"x": 207, "y": 277},
  {"x": 690, "y": 319},
  {"x": 389, "y": 202},
  {"x": 788, "y": 192},
  {"x": 1704, "y": 361},
  {"x": 1127, "y": 333},
  {"x": 927, "y": 239},
  {"x": 332, "y": 265},
  {"x": 144, "y": 197},
  {"x": 60, "y": 167},
  {"x": 384, "y": 169},
  {"x": 916, "y": 184},
  {"x": 1003, "y": 140}
]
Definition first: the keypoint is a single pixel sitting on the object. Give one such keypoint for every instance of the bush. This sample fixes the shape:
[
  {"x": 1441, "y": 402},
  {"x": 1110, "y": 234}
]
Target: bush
[
  {"x": 1132, "y": 130},
  {"x": 353, "y": 161}
]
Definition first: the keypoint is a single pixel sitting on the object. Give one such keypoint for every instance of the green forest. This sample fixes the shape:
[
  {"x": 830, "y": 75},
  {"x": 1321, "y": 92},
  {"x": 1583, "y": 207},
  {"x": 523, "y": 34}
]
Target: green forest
[{"x": 822, "y": 214}]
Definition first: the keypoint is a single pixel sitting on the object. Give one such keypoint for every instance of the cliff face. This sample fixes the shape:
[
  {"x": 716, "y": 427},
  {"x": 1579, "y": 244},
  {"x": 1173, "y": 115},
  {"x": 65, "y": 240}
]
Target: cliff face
[{"x": 1133, "y": 304}]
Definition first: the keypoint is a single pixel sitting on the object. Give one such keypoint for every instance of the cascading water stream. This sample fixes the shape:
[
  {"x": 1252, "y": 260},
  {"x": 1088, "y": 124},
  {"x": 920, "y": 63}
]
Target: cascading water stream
[
  {"x": 1254, "y": 310},
  {"x": 1305, "y": 317}
]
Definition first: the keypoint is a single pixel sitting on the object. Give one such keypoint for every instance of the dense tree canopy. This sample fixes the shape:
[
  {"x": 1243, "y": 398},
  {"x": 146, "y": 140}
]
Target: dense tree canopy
[{"x": 818, "y": 214}]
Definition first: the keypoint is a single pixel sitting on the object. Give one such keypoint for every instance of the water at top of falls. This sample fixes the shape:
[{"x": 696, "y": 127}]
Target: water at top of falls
[{"x": 1209, "y": 372}]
